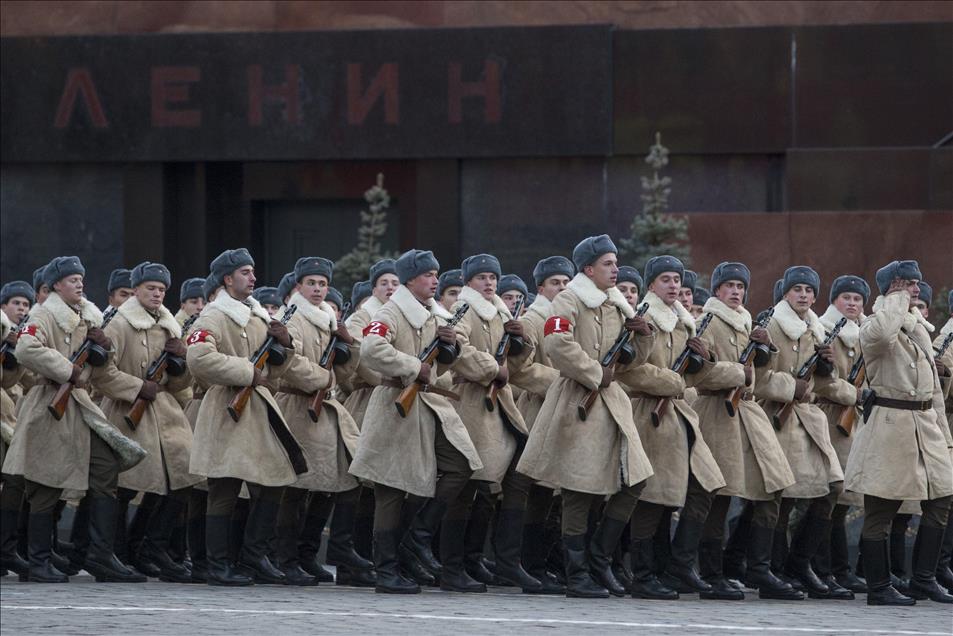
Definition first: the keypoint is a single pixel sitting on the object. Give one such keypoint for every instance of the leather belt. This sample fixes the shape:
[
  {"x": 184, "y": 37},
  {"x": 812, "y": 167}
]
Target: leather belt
[
  {"x": 904, "y": 405},
  {"x": 424, "y": 388},
  {"x": 821, "y": 400},
  {"x": 293, "y": 391},
  {"x": 649, "y": 396},
  {"x": 747, "y": 396}
]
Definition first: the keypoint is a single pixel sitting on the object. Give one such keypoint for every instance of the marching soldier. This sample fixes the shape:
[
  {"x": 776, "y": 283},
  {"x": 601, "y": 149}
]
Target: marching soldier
[
  {"x": 142, "y": 331},
  {"x": 700, "y": 296},
  {"x": 601, "y": 456},
  {"x": 743, "y": 442},
  {"x": 902, "y": 450},
  {"x": 630, "y": 284},
  {"x": 191, "y": 299},
  {"x": 11, "y": 494},
  {"x": 39, "y": 286},
  {"x": 81, "y": 451},
  {"x": 359, "y": 294},
  {"x": 16, "y": 298},
  {"x": 402, "y": 455},
  {"x": 686, "y": 293},
  {"x": 451, "y": 282},
  {"x": 944, "y": 367},
  {"x": 119, "y": 286},
  {"x": 269, "y": 299},
  {"x": 511, "y": 289},
  {"x": 286, "y": 287},
  {"x": 258, "y": 449},
  {"x": 336, "y": 300}
]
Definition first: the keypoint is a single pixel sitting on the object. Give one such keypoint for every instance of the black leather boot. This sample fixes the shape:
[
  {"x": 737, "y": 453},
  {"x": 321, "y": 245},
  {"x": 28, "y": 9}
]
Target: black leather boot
[
  {"x": 101, "y": 562},
  {"x": 220, "y": 570},
  {"x": 253, "y": 558},
  {"x": 509, "y": 547},
  {"x": 454, "y": 576},
  {"x": 779, "y": 556},
  {"x": 579, "y": 581},
  {"x": 711, "y": 570},
  {"x": 944, "y": 575},
  {"x": 478, "y": 527},
  {"x": 287, "y": 558},
  {"x": 898, "y": 546},
  {"x": 646, "y": 583},
  {"x": 40, "y": 538},
  {"x": 803, "y": 547},
  {"x": 154, "y": 550},
  {"x": 341, "y": 542},
  {"x": 419, "y": 538},
  {"x": 535, "y": 550},
  {"x": 758, "y": 572},
  {"x": 196, "y": 541},
  {"x": 602, "y": 547},
  {"x": 355, "y": 578},
  {"x": 79, "y": 537},
  {"x": 129, "y": 538},
  {"x": 926, "y": 552},
  {"x": 309, "y": 539},
  {"x": 681, "y": 562},
  {"x": 877, "y": 571},
  {"x": 821, "y": 564},
  {"x": 737, "y": 546},
  {"x": 10, "y": 559},
  {"x": 621, "y": 571},
  {"x": 840, "y": 561},
  {"x": 389, "y": 579}
]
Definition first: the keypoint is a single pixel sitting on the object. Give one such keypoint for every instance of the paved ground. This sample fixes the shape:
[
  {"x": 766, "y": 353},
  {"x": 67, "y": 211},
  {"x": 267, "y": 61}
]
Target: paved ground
[{"x": 86, "y": 607}]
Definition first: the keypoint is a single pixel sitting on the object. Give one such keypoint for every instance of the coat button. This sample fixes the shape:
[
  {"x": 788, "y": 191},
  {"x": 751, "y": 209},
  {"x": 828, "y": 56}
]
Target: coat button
[
  {"x": 850, "y": 354},
  {"x": 794, "y": 347},
  {"x": 912, "y": 392},
  {"x": 142, "y": 364},
  {"x": 144, "y": 343},
  {"x": 66, "y": 339},
  {"x": 731, "y": 340},
  {"x": 913, "y": 365},
  {"x": 244, "y": 335},
  {"x": 668, "y": 344},
  {"x": 596, "y": 346}
]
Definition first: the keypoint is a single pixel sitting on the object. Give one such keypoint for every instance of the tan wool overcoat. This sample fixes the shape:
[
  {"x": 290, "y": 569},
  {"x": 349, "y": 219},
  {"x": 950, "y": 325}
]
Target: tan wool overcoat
[
  {"x": 360, "y": 382},
  {"x": 537, "y": 374}
]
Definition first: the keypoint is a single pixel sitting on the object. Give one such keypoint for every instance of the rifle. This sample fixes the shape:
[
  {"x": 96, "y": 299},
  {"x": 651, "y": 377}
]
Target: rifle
[
  {"x": 154, "y": 374},
  {"x": 237, "y": 406},
  {"x": 857, "y": 376},
  {"x": 7, "y": 360},
  {"x": 326, "y": 362},
  {"x": 747, "y": 359},
  {"x": 405, "y": 401},
  {"x": 944, "y": 346},
  {"x": 613, "y": 356},
  {"x": 57, "y": 406},
  {"x": 680, "y": 367},
  {"x": 806, "y": 372},
  {"x": 502, "y": 351}
]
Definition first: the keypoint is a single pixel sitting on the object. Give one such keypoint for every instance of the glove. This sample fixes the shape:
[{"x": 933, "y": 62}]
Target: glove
[
  {"x": 514, "y": 328},
  {"x": 502, "y": 376},
  {"x": 698, "y": 346},
  {"x": 149, "y": 390},
  {"x": 280, "y": 333},
  {"x": 343, "y": 334},
  {"x": 639, "y": 325},
  {"x": 175, "y": 346},
  {"x": 11, "y": 338},
  {"x": 447, "y": 335},
  {"x": 99, "y": 337},
  {"x": 607, "y": 374},
  {"x": 826, "y": 353},
  {"x": 423, "y": 376},
  {"x": 760, "y": 335},
  {"x": 800, "y": 389}
]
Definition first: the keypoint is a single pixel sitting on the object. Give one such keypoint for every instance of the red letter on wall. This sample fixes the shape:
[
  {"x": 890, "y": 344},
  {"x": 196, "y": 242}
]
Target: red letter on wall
[
  {"x": 170, "y": 85},
  {"x": 286, "y": 93},
  {"x": 385, "y": 83},
  {"x": 488, "y": 88},
  {"x": 79, "y": 82}
]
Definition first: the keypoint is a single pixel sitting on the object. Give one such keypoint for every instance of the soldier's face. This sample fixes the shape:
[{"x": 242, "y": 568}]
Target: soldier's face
[
  {"x": 603, "y": 271},
  {"x": 150, "y": 294},
  {"x": 16, "y": 308},
  {"x": 337, "y": 311},
  {"x": 731, "y": 292},
  {"x": 424, "y": 286},
  {"x": 241, "y": 283},
  {"x": 849, "y": 304},
  {"x": 696, "y": 311},
  {"x": 314, "y": 288},
  {"x": 70, "y": 289},
  {"x": 800, "y": 298},
  {"x": 385, "y": 286},
  {"x": 271, "y": 309},
  {"x": 192, "y": 306},
  {"x": 449, "y": 297},
  {"x": 120, "y": 295},
  {"x": 484, "y": 283},
  {"x": 630, "y": 291},
  {"x": 922, "y": 307},
  {"x": 667, "y": 286},
  {"x": 686, "y": 296},
  {"x": 42, "y": 293},
  {"x": 510, "y": 299},
  {"x": 552, "y": 286}
]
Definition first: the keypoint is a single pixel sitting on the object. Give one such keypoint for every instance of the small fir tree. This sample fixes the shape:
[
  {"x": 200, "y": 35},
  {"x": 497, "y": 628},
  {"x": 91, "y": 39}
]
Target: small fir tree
[{"x": 354, "y": 266}]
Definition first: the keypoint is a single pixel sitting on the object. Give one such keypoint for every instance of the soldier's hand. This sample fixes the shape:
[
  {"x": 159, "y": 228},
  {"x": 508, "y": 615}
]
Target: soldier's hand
[
  {"x": 760, "y": 335},
  {"x": 175, "y": 346},
  {"x": 698, "y": 346},
  {"x": 149, "y": 390},
  {"x": 607, "y": 374},
  {"x": 749, "y": 375},
  {"x": 513, "y": 327},
  {"x": 502, "y": 376},
  {"x": 343, "y": 334},
  {"x": 800, "y": 389},
  {"x": 423, "y": 376},
  {"x": 447, "y": 335},
  {"x": 99, "y": 337},
  {"x": 639, "y": 325},
  {"x": 826, "y": 352},
  {"x": 897, "y": 284},
  {"x": 75, "y": 374},
  {"x": 280, "y": 333},
  {"x": 11, "y": 338}
]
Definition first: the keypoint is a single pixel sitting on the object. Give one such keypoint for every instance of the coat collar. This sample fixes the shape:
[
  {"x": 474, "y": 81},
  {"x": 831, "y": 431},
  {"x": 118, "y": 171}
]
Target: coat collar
[
  {"x": 592, "y": 297},
  {"x": 372, "y": 305},
  {"x": 910, "y": 320},
  {"x": 667, "y": 318},
  {"x": 181, "y": 317},
  {"x": 137, "y": 316},
  {"x": 849, "y": 333},
  {"x": 484, "y": 308},
  {"x": 67, "y": 318},
  {"x": 7, "y": 325},
  {"x": 738, "y": 319},
  {"x": 321, "y": 316},
  {"x": 415, "y": 313},
  {"x": 542, "y": 306},
  {"x": 239, "y": 312},
  {"x": 793, "y": 326}
]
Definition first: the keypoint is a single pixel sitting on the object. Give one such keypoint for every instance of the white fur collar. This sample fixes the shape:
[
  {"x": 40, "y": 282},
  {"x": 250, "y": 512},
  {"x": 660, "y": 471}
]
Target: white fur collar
[
  {"x": 542, "y": 306},
  {"x": 321, "y": 316},
  {"x": 793, "y": 326},
  {"x": 415, "y": 313},
  {"x": 849, "y": 333},
  {"x": 239, "y": 312},
  {"x": 738, "y": 319},
  {"x": 947, "y": 328},
  {"x": 484, "y": 308},
  {"x": 5, "y": 324},
  {"x": 910, "y": 320},
  {"x": 591, "y": 296},
  {"x": 67, "y": 318},
  {"x": 372, "y": 305},
  {"x": 667, "y": 317},
  {"x": 137, "y": 316}
]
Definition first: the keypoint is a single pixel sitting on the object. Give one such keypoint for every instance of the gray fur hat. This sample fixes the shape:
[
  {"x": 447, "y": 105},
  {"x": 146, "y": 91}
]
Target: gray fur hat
[
  {"x": 230, "y": 260},
  {"x": 949, "y": 300},
  {"x": 512, "y": 282},
  {"x": 553, "y": 266},
  {"x": 850, "y": 283},
  {"x": 689, "y": 278},
  {"x": 381, "y": 267},
  {"x": 38, "y": 277},
  {"x": 778, "y": 294},
  {"x": 450, "y": 278},
  {"x": 313, "y": 266},
  {"x": 480, "y": 263},
  {"x": 926, "y": 292},
  {"x": 267, "y": 296},
  {"x": 360, "y": 291},
  {"x": 211, "y": 284},
  {"x": 119, "y": 278},
  {"x": 628, "y": 274},
  {"x": 800, "y": 275},
  {"x": 17, "y": 288},
  {"x": 192, "y": 288},
  {"x": 286, "y": 284},
  {"x": 701, "y": 295},
  {"x": 728, "y": 270},
  {"x": 905, "y": 270},
  {"x": 413, "y": 263},
  {"x": 151, "y": 271},
  {"x": 61, "y": 267},
  {"x": 659, "y": 264},
  {"x": 334, "y": 296},
  {"x": 589, "y": 249}
]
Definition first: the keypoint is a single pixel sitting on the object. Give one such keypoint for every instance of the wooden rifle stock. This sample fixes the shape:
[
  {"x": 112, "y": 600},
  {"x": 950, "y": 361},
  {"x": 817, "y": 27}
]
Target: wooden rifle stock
[
  {"x": 502, "y": 351},
  {"x": 681, "y": 364},
  {"x": 57, "y": 406},
  {"x": 327, "y": 362},
  {"x": 747, "y": 359},
  {"x": 857, "y": 376},
  {"x": 238, "y": 403}
]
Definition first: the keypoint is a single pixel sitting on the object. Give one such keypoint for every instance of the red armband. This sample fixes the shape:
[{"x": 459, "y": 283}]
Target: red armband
[
  {"x": 557, "y": 324},
  {"x": 27, "y": 330},
  {"x": 197, "y": 336},
  {"x": 376, "y": 329}
]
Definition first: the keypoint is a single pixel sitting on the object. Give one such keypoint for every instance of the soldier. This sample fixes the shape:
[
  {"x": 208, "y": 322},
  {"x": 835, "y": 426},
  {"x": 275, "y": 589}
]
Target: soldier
[
  {"x": 11, "y": 494},
  {"x": 686, "y": 293},
  {"x": 336, "y": 300},
  {"x": 359, "y": 294},
  {"x": 286, "y": 287},
  {"x": 402, "y": 455},
  {"x": 686, "y": 474},
  {"x": 16, "y": 298},
  {"x": 700, "y": 296},
  {"x": 923, "y": 302},
  {"x": 119, "y": 286},
  {"x": 902, "y": 450},
  {"x": 743, "y": 443},
  {"x": 511, "y": 289},
  {"x": 451, "y": 282},
  {"x": 848, "y": 296},
  {"x": 944, "y": 367},
  {"x": 142, "y": 331},
  {"x": 258, "y": 449},
  {"x": 81, "y": 451},
  {"x": 39, "y": 286},
  {"x": 629, "y": 282},
  {"x": 269, "y": 299},
  {"x": 603, "y": 455},
  {"x": 191, "y": 299},
  {"x": 797, "y": 333}
]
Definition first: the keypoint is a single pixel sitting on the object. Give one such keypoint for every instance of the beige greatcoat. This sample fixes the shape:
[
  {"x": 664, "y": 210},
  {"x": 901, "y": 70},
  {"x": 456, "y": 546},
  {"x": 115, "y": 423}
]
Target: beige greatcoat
[
  {"x": 668, "y": 445},
  {"x": 399, "y": 451},
  {"x": 538, "y": 374},
  {"x": 947, "y": 359},
  {"x": 745, "y": 446},
  {"x": 331, "y": 441},
  {"x": 901, "y": 454},
  {"x": 805, "y": 437},
  {"x": 56, "y": 454},
  {"x": 225, "y": 336},
  {"x": 360, "y": 382},
  {"x": 8, "y": 379},
  {"x": 603, "y": 453},
  {"x": 138, "y": 339},
  {"x": 495, "y": 434}
]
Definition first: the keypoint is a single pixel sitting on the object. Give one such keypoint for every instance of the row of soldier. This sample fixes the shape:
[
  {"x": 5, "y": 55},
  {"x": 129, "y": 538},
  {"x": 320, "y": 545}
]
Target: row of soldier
[{"x": 446, "y": 410}]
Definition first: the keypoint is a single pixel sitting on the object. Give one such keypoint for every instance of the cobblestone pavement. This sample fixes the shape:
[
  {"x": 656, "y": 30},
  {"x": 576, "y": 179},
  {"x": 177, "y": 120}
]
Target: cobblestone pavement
[{"x": 86, "y": 607}]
